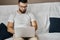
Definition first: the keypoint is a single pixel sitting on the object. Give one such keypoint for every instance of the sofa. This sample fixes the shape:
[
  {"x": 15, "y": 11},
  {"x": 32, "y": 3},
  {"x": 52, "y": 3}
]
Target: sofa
[{"x": 43, "y": 13}]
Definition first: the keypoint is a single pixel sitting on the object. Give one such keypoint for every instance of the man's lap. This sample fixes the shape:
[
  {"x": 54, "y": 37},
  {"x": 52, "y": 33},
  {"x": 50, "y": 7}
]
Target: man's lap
[{"x": 23, "y": 38}]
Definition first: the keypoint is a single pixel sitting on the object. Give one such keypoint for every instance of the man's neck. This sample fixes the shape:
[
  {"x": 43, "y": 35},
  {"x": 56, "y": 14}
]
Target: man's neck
[{"x": 19, "y": 12}]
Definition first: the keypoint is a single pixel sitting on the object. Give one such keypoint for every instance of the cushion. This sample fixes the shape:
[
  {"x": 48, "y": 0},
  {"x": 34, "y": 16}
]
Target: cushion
[
  {"x": 54, "y": 25},
  {"x": 4, "y": 34}
]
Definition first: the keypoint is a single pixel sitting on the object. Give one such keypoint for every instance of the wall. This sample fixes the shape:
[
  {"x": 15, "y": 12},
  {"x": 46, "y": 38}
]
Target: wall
[{"x": 12, "y": 2}]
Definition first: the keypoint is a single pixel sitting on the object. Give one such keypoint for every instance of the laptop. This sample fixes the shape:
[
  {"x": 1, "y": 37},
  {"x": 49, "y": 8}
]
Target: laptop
[{"x": 25, "y": 32}]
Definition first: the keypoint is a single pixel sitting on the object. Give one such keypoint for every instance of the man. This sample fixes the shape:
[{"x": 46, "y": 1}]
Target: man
[{"x": 21, "y": 18}]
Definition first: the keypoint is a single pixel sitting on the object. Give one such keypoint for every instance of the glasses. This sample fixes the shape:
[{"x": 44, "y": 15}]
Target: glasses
[{"x": 23, "y": 6}]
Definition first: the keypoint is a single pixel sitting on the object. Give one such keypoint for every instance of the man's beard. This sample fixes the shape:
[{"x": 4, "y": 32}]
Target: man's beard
[{"x": 22, "y": 11}]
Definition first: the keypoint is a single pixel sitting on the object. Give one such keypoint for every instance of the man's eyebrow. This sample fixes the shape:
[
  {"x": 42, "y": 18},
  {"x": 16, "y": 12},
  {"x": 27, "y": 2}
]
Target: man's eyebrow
[{"x": 23, "y": 6}]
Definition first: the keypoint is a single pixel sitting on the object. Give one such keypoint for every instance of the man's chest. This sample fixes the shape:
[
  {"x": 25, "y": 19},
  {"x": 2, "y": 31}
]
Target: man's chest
[{"x": 22, "y": 18}]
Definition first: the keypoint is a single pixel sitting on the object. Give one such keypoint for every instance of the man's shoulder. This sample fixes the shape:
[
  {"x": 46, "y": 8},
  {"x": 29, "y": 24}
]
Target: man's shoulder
[
  {"x": 13, "y": 13},
  {"x": 30, "y": 13}
]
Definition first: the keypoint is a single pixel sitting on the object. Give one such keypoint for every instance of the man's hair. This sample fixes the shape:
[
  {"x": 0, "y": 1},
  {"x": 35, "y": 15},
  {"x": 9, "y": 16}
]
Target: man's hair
[{"x": 23, "y": 1}]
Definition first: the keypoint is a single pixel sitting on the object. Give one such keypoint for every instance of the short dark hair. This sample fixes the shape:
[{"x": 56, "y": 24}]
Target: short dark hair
[{"x": 23, "y": 1}]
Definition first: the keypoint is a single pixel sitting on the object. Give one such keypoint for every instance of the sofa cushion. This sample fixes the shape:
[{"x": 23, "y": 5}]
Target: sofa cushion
[
  {"x": 3, "y": 32},
  {"x": 54, "y": 25}
]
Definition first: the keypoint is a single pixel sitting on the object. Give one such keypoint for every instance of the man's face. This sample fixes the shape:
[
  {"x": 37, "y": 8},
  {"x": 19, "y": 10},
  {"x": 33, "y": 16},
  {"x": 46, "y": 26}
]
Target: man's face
[{"x": 22, "y": 7}]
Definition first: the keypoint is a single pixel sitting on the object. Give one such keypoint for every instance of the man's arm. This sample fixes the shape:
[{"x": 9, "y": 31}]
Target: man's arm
[
  {"x": 10, "y": 26},
  {"x": 34, "y": 24}
]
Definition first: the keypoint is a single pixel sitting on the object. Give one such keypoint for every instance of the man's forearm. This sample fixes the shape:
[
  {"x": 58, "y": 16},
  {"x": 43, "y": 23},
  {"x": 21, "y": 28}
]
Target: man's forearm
[
  {"x": 11, "y": 30},
  {"x": 34, "y": 24}
]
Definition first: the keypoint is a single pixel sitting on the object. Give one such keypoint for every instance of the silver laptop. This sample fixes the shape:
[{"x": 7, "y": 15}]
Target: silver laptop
[{"x": 25, "y": 32}]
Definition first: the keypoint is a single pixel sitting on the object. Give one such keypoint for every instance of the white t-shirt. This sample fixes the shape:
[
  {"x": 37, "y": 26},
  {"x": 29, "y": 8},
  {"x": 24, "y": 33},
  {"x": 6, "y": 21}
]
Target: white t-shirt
[{"x": 21, "y": 20}]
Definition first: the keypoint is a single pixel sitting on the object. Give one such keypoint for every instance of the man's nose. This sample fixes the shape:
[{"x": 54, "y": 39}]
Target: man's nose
[{"x": 24, "y": 8}]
